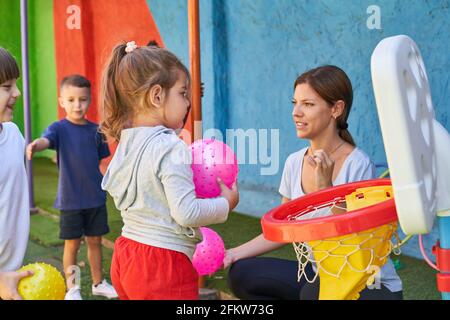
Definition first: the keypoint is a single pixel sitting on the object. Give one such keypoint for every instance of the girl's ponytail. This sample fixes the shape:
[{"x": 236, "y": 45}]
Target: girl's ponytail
[{"x": 115, "y": 113}]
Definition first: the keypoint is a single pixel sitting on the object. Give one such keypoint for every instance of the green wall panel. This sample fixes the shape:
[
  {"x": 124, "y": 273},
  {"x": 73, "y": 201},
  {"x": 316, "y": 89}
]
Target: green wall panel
[
  {"x": 10, "y": 40},
  {"x": 42, "y": 63},
  {"x": 44, "y": 102}
]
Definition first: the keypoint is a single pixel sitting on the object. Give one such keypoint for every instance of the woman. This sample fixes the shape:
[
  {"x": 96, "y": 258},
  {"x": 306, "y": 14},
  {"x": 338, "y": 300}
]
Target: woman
[{"x": 321, "y": 106}]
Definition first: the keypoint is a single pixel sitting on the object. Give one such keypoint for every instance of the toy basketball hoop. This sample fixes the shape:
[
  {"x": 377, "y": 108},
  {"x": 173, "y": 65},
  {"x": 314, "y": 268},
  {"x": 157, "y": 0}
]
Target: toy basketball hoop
[
  {"x": 416, "y": 145},
  {"x": 349, "y": 245}
]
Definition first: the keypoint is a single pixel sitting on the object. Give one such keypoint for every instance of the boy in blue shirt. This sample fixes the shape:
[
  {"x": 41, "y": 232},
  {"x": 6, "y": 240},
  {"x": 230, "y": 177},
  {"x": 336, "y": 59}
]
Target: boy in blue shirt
[{"x": 82, "y": 202}]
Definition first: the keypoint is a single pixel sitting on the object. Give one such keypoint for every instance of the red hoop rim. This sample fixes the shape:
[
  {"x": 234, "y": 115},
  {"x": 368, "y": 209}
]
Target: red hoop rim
[{"x": 276, "y": 228}]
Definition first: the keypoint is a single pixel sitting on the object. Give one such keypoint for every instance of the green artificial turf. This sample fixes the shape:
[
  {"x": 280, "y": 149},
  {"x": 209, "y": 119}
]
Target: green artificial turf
[
  {"x": 45, "y": 230},
  {"x": 36, "y": 252},
  {"x": 45, "y": 174},
  {"x": 419, "y": 280}
]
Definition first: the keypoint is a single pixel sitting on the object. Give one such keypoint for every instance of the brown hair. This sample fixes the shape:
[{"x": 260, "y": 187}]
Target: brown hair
[
  {"x": 128, "y": 77},
  {"x": 332, "y": 85},
  {"x": 8, "y": 66},
  {"x": 75, "y": 80}
]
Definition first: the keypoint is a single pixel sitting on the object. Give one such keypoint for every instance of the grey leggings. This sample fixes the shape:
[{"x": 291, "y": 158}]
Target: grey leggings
[{"x": 274, "y": 279}]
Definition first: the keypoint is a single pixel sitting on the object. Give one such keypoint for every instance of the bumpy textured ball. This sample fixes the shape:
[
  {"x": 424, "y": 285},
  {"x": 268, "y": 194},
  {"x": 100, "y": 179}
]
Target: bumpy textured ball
[
  {"x": 209, "y": 253},
  {"x": 212, "y": 159},
  {"x": 47, "y": 283}
]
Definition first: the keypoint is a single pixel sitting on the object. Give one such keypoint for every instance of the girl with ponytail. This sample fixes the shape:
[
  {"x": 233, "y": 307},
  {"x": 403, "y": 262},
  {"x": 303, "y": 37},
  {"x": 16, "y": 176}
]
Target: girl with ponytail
[
  {"x": 145, "y": 99},
  {"x": 321, "y": 105}
]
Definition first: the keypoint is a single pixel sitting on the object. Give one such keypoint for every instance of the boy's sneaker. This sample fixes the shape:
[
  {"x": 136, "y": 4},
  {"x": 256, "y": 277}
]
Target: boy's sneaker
[
  {"x": 104, "y": 289},
  {"x": 74, "y": 293}
]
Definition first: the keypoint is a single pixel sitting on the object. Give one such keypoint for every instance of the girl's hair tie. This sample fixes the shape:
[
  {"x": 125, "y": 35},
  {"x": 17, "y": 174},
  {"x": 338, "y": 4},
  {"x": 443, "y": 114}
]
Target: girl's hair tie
[{"x": 130, "y": 46}]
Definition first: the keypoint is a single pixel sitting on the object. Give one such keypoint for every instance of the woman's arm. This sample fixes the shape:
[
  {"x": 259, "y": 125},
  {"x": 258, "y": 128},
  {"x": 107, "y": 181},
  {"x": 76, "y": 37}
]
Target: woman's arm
[
  {"x": 255, "y": 247},
  {"x": 323, "y": 173}
]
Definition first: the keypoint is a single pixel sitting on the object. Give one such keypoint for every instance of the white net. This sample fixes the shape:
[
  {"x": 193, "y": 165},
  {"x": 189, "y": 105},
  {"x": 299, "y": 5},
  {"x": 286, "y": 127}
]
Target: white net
[{"x": 356, "y": 252}]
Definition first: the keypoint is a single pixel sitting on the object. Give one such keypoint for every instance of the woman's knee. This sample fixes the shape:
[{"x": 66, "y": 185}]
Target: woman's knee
[
  {"x": 239, "y": 276},
  {"x": 236, "y": 273}
]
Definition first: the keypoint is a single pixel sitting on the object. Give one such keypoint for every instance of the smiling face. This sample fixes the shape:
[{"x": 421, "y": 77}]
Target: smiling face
[
  {"x": 8, "y": 96},
  {"x": 75, "y": 101},
  {"x": 312, "y": 115},
  {"x": 177, "y": 103}
]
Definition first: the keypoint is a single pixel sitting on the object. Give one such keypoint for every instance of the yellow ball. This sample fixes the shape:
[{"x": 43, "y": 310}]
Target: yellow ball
[{"x": 47, "y": 283}]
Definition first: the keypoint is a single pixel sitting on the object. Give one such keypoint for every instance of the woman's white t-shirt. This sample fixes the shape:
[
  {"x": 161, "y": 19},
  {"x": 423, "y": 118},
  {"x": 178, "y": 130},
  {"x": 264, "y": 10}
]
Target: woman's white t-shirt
[
  {"x": 356, "y": 167},
  {"x": 14, "y": 205}
]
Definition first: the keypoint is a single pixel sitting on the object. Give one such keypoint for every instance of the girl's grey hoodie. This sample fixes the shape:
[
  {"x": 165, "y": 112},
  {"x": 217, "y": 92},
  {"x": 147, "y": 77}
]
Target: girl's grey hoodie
[{"x": 151, "y": 182}]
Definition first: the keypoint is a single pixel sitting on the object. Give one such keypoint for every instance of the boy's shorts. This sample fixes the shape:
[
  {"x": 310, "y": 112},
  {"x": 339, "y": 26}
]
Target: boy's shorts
[{"x": 88, "y": 222}]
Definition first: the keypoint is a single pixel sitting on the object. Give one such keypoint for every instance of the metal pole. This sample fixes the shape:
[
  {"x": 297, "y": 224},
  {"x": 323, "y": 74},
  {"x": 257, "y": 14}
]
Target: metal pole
[
  {"x": 444, "y": 239},
  {"x": 194, "y": 58},
  {"x": 26, "y": 94}
]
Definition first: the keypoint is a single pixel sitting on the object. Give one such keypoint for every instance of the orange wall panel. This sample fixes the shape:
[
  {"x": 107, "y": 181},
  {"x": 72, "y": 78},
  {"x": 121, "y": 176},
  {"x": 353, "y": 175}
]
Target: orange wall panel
[{"x": 103, "y": 24}]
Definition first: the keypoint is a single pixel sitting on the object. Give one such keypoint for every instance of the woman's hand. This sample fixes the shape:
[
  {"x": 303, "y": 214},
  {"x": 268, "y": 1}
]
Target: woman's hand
[
  {"x": 230, "y": 258},
  {"x": 323, "y": 169}
]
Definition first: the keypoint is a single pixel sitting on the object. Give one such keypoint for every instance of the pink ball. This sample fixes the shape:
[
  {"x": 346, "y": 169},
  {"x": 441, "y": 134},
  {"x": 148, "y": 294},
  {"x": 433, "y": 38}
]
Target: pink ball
[
  {"x": 209, "y": 254},
  {"x": 211, "y": 159}
]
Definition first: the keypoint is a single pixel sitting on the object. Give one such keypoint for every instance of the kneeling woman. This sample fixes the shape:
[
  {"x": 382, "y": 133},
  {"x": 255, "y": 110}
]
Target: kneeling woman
[{"x": 321, "y": 106}]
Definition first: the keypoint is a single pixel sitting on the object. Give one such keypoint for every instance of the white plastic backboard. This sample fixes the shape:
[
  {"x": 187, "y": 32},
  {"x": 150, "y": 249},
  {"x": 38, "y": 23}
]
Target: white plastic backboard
[{"x": 406, "y": 114}]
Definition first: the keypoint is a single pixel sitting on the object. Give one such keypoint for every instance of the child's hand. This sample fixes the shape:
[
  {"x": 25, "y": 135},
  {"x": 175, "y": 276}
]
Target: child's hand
[
  {"x": 230, "y": 258},
  {"x": 31, "y": 149},
  {"x": 232, "y": 195},
  {"x": 9, "y": 282}
]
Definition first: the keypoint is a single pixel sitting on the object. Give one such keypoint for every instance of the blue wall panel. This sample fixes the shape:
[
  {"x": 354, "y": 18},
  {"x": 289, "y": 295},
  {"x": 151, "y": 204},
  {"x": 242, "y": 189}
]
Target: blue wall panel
[{"x": 252, "y": 51}]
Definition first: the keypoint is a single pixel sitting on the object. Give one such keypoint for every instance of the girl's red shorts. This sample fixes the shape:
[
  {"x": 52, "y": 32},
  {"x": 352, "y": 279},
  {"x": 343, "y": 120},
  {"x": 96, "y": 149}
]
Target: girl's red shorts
[{"x": 143, "y": 272}]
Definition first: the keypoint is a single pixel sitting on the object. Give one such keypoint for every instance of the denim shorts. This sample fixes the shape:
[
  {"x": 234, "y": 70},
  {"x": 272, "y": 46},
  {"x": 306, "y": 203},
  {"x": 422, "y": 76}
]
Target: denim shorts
[{"x": 88, "y": 222}]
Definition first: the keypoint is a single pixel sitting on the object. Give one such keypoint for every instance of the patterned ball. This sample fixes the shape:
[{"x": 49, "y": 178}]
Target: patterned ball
[
  {"x": 209, "y": 254},
  {"x": 212, "y": 159},
  {"x": 47, "y": 283}
]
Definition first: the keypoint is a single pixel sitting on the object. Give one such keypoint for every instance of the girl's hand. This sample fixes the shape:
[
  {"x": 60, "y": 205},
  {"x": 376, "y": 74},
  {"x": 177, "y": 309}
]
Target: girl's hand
[
  {"x": 232, "y": 195},
  {"x": 9, "y": 282},
  {"x": 323, "y": 169},
  {"x": 230, "y": 258}
]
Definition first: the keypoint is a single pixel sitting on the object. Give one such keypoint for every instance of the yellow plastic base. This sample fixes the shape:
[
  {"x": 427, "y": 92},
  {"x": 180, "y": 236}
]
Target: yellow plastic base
[
  {"x": 364, "y": 197},
  {"x": 346, "y": 263}
]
